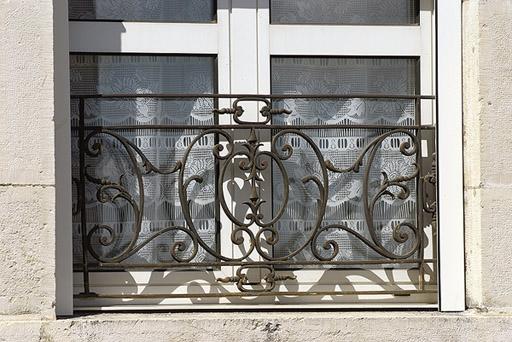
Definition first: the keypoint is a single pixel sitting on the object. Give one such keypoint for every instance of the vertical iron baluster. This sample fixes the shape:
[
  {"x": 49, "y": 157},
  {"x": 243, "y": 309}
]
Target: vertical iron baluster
[
  {"x": 83, "y": 218},
  {"x": 419, "y": 198},
  {"x": 217, "y": 213}
]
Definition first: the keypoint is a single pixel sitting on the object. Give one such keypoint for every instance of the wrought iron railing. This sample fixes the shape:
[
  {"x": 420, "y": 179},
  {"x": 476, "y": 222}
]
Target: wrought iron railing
[{"x": 296, "y": 181}]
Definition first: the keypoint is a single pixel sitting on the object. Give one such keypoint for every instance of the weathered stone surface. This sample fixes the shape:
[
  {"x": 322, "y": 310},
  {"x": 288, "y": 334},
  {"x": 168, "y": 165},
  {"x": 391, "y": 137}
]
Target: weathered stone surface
[
  {"x": 496, "y": 270},
  {"x": 487, "y": 155},
  {"x": 27, "y": 158},
  {"x": 27, "y": 250},
  {"x": 20, "y": 328},
  {"x": 27, "y": 88},
  {"x": 267, "y": 326}
]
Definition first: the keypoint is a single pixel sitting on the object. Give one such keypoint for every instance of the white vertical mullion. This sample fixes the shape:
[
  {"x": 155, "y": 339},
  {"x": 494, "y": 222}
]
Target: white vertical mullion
[
  {"x": 263, "y": 47},
  {"x": 244, "y": 80},
  {"x": 451, "y": 221},
  {"x": 427, "y": 60},
  {"x": 263, "y": 19},
  {"x": 224, "y": 87},
  {"x": 223, "y": 54},
  {"x": 244, "y": 47}
]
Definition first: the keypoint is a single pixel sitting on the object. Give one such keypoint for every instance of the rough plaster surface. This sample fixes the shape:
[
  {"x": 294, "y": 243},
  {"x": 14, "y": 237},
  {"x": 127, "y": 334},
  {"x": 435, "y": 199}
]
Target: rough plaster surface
[
  {"x": 487, "y": 140},
  {"x": 257, "y": 326}
]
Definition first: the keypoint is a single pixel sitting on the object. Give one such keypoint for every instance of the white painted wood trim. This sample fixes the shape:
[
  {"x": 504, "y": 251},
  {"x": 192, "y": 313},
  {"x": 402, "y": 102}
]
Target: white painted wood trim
[
  {"x": 224, "y": 87},
  {"x": 427, "y": 61},
  {"x": 63, "y": 197},
  {"x": 264, "y": 53},
  {"x": 286, "y": 40},
  {"x": 135, "y": 37},
  {"x": 353, "y": 40},
  {"x": 223, "y": 51},
  {"x": 450, "y": 158}
]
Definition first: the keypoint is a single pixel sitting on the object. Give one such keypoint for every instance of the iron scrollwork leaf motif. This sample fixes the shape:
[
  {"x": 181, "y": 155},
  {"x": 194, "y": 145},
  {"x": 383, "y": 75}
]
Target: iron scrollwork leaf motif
[
  {"x": 266, "y": 284},
  {"x": 266, "y": 111},
  {"x": 367, "y": 156},
  {"x": 253, "y": 162},
  {"x": 109, "y": 191}
]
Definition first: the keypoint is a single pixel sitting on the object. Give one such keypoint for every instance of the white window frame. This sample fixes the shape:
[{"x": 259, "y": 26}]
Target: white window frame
[
  {"x": 450, "y": 156},
  {"x": 183, "y": 38}
]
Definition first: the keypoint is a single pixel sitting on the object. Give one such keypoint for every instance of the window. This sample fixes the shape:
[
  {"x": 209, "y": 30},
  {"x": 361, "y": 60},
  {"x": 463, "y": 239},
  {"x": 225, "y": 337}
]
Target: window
[{"x": 254, "y": 153}]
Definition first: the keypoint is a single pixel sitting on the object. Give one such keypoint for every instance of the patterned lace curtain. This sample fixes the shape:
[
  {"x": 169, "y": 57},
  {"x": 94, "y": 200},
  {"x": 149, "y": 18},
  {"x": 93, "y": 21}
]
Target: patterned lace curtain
[
  {"x": 367, "y": 12},
  {"x": 138, "y": 74},
  {"x": 296, "y": 75},
  {"x": 193, "y": 11}
]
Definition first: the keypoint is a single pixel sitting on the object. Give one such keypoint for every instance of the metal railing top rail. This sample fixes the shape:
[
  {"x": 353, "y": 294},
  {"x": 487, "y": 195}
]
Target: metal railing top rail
[{"x": 266, "y": 96}]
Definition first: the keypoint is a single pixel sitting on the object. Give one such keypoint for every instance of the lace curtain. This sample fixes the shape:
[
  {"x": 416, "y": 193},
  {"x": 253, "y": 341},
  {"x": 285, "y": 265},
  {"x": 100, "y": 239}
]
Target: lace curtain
[
  {"x": 296, "y": 75},
  {"x": 193, "y": 11},
  {"x": 106, "y": 74},
  {"x": 368, "y": 12}
]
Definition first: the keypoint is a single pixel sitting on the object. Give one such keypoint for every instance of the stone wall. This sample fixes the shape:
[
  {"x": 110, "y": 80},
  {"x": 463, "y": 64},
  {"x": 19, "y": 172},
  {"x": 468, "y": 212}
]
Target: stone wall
[
  {"x": 488, "y": 155},
  {"x": 27, "y": 158},
  {"x": 30, "y": 129},
  {"x": 263, "y": 327}
]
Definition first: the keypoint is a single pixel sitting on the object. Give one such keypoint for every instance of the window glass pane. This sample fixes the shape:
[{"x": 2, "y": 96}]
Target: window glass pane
[
  {"x": 385, "y": 76},
  {"x": 369, "y": 12},
  {"x": 140, "y": 74},
  {"x": 157, "y": 195},
  {"x": 194, "y": 11},
  {"x": 342, "y": 146}
]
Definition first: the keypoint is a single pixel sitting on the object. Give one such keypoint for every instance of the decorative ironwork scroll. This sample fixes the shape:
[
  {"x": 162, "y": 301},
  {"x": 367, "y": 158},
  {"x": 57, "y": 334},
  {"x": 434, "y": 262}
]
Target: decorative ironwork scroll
[{"x": 260, "y": 152}]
